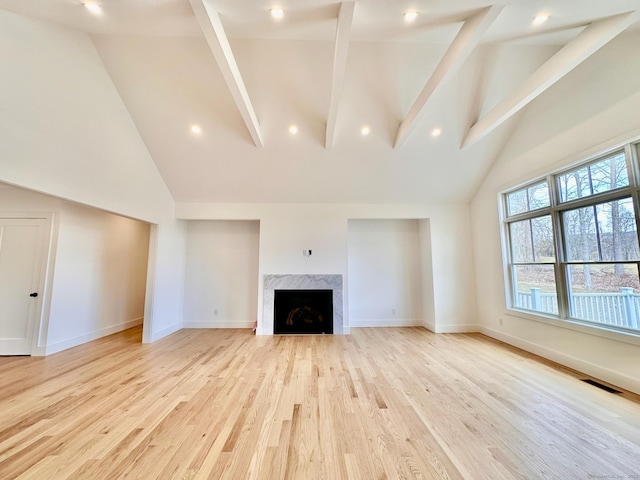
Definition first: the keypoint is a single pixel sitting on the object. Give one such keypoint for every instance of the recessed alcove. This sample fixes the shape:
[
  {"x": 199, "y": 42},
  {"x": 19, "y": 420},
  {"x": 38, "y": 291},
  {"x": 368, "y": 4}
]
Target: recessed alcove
[
  {"x": 390, "y": 272},
  {"x": 221, "y": 275}
]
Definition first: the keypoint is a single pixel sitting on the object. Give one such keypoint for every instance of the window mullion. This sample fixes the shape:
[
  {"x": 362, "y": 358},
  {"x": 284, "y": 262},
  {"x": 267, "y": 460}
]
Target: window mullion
[
  {"x": 558, "y": 239},
  {"x": 598, "y": 239}
]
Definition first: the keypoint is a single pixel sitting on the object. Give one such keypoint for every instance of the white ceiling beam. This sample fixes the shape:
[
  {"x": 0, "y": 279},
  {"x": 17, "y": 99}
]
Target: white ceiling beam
[
  {"x": 216, "y": 37},
  {"x": 590, "y": 40},
  {"x": 463, "y": 44},
  {"x": 343, "y": 35}
]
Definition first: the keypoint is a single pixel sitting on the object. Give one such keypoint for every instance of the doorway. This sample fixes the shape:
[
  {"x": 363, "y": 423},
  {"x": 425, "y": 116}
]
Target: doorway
[{"x": 23, "y": 246}]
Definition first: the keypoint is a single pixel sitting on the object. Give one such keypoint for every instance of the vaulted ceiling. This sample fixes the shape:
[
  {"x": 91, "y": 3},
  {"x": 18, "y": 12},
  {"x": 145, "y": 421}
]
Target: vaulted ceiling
[{"x": 465, "y": 68}]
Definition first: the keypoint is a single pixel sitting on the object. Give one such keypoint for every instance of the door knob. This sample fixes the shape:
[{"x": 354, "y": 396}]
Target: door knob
[{"x": 34, "y": 294}]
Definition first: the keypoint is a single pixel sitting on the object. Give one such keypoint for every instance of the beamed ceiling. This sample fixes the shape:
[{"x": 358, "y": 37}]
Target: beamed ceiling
[{"x": 468, "y": 68}]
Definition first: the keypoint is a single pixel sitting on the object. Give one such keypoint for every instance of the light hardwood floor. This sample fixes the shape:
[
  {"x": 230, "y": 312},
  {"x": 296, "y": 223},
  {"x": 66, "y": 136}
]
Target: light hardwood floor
[{"x": 380, "y": 403}]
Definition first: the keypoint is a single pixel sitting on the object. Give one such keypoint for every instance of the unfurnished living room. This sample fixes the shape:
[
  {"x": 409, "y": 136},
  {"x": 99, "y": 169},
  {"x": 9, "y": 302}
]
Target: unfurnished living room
[{"x": 311, "y": 239}]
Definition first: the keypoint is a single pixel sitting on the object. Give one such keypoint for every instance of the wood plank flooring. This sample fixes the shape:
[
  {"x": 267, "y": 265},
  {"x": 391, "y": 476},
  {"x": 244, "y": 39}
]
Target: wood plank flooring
[{"x": 387, "y": 403}]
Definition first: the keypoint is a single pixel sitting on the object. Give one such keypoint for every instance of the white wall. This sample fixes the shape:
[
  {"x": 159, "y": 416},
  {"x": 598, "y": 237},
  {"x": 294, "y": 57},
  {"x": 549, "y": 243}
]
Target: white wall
[
  {"x": 64, "y": 131},
  {"x": 221, "y": 284},
  {"x": 595, "y": 107},
  {"x": 385, "y": 273},
  {"x": 286, "y": 230},
  {"x": 98, "y": 285},
  {"x": 100, "y": 276}
]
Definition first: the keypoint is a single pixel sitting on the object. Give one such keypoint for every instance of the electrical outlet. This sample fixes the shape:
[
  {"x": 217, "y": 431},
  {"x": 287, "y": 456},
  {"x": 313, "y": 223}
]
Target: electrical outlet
[
  {"x": 393, "y": 311},
  {"x": 500, "y": 321},
  {"x": 215, "y": 312}
]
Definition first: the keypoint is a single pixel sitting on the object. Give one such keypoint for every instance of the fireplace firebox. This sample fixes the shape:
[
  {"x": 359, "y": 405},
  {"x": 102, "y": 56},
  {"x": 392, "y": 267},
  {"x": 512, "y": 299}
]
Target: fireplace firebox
[{"x": 303, "y": 312}]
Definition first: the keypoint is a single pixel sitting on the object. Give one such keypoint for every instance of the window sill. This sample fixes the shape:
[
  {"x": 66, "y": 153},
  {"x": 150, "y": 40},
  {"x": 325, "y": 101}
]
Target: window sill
[{"x": 603, "y": 331}]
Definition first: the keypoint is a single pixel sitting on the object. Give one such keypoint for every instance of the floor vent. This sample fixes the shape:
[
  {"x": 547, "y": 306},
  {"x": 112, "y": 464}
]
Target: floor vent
[{"x": 599, "y": 385}]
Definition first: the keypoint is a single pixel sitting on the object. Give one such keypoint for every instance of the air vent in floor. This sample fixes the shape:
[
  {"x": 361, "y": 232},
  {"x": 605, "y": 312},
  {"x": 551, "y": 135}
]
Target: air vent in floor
[{"x": 599, "y": 385}]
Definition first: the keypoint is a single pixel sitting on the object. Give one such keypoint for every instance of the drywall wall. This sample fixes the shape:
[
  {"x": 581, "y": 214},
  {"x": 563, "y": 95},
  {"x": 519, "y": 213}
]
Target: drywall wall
[
  {"x": 97, "y": 286},
  {"x": 564, "y": 125},
  {"x": 385, "y": 273},
  {"x": 64, "y": 131},
  {"x": 288, "y": 229},
  {"x": 100, "y": 276},
  {"x": 221, "y": 283}
]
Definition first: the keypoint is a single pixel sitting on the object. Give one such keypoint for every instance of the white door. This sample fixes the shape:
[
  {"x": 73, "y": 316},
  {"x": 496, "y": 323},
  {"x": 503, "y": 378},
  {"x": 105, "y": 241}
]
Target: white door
[{"x": 20, "y": 268}]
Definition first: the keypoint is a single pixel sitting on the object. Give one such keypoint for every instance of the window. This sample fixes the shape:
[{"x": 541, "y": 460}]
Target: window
[{"x": 572, "y": 243}]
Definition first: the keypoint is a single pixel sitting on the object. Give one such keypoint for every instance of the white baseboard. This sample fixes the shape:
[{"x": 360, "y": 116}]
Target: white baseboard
[
  {"x": 429, "y": 326},
  {"x": 39, "y": 352},
  {"x": 451, "y": 328},
  {"x": 456, "y": 328},
  {"x": 165, "y": 332},
  {"x": 400, "y": 322},
  {"x": 88, "y": 337},
  {"x": 218, "y": 324},
  {"x": 605, "y": 374},
  {"x": 436, "y": 328}
]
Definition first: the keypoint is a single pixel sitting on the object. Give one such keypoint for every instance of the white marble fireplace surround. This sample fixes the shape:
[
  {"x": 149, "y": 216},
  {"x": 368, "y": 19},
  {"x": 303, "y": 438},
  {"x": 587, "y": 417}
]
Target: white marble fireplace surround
[{"x": 302, "y": 282}]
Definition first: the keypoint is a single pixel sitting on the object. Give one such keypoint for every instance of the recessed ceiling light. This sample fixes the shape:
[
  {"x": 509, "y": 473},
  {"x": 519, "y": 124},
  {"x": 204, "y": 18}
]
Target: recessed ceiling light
[
  {"x": 540, "y": 19},
  {"x": 410, "y": 16},
  {"x": 277, "y": 13},
  {"x": 436, "y": 132},
  {"x": 196, "y": 129},
  {"x": 365, "y": 130},
  {"x": 93, "y": 8},
  {"x": 293, "y": 129}
]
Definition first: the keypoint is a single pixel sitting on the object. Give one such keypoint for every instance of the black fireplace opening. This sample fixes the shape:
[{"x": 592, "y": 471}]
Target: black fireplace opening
[{"x": 302, "y": 311}]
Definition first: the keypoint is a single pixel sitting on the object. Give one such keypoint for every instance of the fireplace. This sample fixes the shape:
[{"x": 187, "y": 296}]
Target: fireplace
[
  {"x": 303, "y": 311},
  {"x": 301, "y": 282}
]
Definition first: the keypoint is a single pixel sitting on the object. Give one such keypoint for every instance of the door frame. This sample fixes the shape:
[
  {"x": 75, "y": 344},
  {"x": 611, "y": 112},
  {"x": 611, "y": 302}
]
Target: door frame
[{"x": 46, "y": 262}]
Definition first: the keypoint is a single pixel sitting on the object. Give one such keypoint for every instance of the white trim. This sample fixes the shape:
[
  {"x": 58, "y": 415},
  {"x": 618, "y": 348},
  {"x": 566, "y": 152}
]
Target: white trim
[
  {"x": 28, "y": 215},
  {"x": 457, "y": 328},
  {"x": 40, "y": 341},
  {"x": 88, "y": 337},
  {"x": 219, "y": 324},
  {"x": 165, "y": 332},
  {"x": 400, "y": 322},
  {"x": 152, "y": 260},
  {"x": 591, "y": 369},
  {"x": 38, "y": 351},
  {"x": 429, "y": 326}
]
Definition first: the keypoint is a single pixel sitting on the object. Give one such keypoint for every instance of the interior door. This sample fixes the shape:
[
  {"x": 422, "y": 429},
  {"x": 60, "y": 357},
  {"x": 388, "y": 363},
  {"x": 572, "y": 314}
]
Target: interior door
[{"x": 21, "y": 241}]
